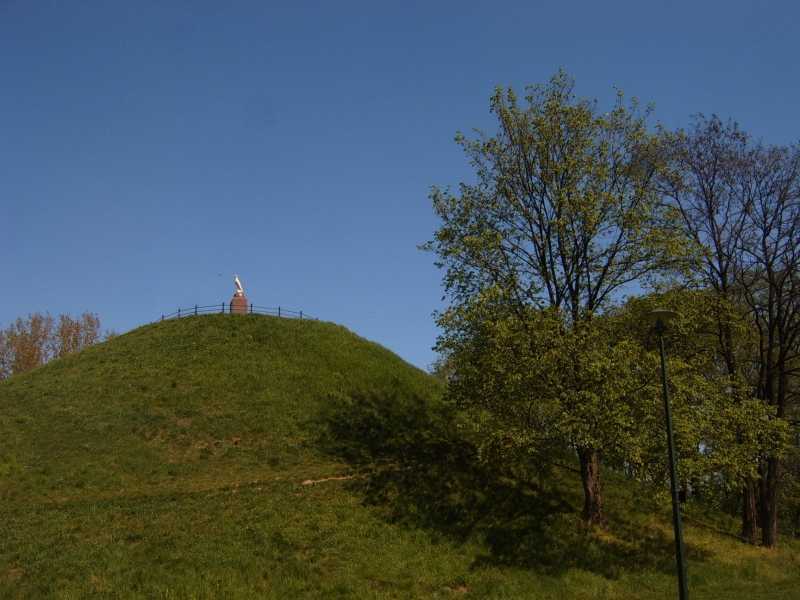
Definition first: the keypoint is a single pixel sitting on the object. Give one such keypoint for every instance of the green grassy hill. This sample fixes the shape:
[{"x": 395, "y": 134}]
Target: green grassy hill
[{"x": 175, "y": 461}]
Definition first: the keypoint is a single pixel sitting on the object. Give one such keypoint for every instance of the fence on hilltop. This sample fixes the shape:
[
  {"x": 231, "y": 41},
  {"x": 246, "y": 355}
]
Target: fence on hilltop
[{"x": 229, "y": 309}]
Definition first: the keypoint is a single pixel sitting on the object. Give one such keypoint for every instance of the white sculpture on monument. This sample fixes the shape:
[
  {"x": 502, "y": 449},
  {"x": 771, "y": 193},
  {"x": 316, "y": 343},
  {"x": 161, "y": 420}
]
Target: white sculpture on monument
[{"x": 239, "y": 289}]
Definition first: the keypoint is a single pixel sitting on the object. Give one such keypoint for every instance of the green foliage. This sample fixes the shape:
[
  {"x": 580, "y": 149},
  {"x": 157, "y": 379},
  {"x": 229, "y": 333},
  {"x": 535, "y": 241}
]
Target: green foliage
[
  {"x": 564, "y": 211},
  {"x": 537, "y": 387},
  {"x": 694, "y": 334},
  {"x": 722, "y": 428},
  {"x": 790, "y": 490},
  {"x": 547, "y": 383},
  {"x": 564, "y": 215},
  {"x": 567, "y": 210}
]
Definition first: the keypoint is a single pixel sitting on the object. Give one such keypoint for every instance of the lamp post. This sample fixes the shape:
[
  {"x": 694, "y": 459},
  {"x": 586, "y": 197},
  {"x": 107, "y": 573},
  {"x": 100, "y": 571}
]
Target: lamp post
[{"x": 660, "y": 318}]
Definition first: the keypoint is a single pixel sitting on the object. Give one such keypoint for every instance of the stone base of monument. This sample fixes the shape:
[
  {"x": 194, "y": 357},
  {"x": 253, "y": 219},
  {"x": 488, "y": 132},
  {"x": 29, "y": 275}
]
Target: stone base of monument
[{"x": 239, "y": 305}]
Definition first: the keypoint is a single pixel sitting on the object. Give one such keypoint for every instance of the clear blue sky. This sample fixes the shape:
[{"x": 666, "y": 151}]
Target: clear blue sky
[{"x": 148, "y": 147}]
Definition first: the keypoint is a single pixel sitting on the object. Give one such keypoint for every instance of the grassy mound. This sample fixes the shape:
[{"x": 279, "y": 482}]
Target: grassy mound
[
  {"x": 210, "y": 456},
  {"x": 183, "y": 404}
]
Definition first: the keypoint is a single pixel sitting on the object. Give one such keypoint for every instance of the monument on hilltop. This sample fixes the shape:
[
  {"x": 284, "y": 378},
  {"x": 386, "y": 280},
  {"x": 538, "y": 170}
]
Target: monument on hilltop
[{"x": 239, "y": 303}]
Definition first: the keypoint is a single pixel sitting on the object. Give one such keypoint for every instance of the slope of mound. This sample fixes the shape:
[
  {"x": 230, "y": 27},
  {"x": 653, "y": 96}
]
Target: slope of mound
[
  {"x": 256, "y": 457},
  {"x": 213, "y": 398}
]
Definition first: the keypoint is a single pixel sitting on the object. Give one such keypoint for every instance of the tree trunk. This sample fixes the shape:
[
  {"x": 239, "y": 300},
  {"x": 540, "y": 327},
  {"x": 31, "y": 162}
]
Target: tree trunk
[
  {"x": 769, "y": 502},
  {"x": 749, "y": 513},
  {"x": 592, "y": 492},
  {"x": 750, "y": 507},
  {"x": 770, "y": 475}
]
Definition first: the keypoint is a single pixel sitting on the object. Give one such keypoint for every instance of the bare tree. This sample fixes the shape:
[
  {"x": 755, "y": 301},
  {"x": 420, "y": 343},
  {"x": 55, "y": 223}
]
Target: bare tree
[
  {"x": 739, "y": 203},
  {"x": 769, "y": 276},
  {"x": 703, "y": 182}
]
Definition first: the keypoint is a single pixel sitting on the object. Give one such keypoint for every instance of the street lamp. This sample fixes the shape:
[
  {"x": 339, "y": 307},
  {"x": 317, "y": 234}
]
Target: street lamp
[{"x": 660, "y": 317}]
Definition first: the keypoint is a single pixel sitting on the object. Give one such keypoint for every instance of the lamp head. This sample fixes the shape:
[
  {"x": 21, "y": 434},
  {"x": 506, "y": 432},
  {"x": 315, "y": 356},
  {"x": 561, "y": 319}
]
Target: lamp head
[{"x": 660, "y": 317}]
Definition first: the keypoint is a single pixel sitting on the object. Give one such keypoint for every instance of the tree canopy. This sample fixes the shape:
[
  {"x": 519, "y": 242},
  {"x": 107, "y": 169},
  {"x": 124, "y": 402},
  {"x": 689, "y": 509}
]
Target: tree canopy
[{"x": 571, "y": 209}]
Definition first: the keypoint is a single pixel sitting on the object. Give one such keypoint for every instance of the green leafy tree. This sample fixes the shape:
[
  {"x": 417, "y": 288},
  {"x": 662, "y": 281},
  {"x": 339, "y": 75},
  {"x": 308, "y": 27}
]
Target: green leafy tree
[
  {"x": 543, "y": 386},
  {"x": 564, "y": 215},
  {"x": 723, "y": 427}
]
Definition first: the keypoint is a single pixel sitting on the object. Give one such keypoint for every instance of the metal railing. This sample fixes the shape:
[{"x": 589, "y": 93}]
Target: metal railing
[{"x": 230, "y": 309}]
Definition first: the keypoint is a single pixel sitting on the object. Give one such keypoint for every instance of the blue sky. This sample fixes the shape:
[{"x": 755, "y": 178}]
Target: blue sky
[{"x": 149, "y": 150}]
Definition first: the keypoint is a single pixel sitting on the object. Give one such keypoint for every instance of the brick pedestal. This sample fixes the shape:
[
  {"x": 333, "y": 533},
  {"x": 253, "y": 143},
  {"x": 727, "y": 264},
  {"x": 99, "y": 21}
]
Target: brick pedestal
[{"x": 239, "y": 305}]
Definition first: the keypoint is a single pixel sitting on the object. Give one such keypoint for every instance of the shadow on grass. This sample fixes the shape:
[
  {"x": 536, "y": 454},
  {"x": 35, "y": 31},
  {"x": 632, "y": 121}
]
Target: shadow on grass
[{"x": 421, "y": 471}]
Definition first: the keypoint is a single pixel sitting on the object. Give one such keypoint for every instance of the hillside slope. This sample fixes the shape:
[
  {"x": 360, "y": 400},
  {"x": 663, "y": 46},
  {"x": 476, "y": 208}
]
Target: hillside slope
[
  {"x": 213, "y": 398},
  {"x": 175, "y": 461}
]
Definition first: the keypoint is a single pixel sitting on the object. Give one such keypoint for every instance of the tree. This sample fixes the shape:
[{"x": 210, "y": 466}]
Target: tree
[
  {"x": 31, "y": 342},
  {"x": 739, "y": 206},
  {"x": 790, "y": 490},
  {"x": 701, "y": 179},
  {"x": 563, "y": 216},
  {"x": 6, "y": 356},
  {"x": 27, "y": 343},
  {"x": 543, "y": 386},
  {"x": 73, "y": 335},
  {"x": 441, "y": 368},
  {"x": 769, "y": 276},
  {"x": 723, "y": 430}
]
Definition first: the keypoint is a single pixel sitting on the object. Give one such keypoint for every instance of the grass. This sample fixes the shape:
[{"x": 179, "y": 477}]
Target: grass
[{"x": 170, "y": 463}]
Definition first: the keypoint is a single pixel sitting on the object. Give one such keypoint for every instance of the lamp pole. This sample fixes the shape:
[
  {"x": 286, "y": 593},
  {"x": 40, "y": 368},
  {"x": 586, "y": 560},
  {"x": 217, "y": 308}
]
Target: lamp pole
[{"x": 661, "y": 317}]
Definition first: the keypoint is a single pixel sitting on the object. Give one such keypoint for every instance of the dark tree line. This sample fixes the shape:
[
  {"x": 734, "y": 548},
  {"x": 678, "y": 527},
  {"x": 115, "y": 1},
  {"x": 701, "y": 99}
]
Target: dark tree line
[{"x": 739, "y": 203}]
